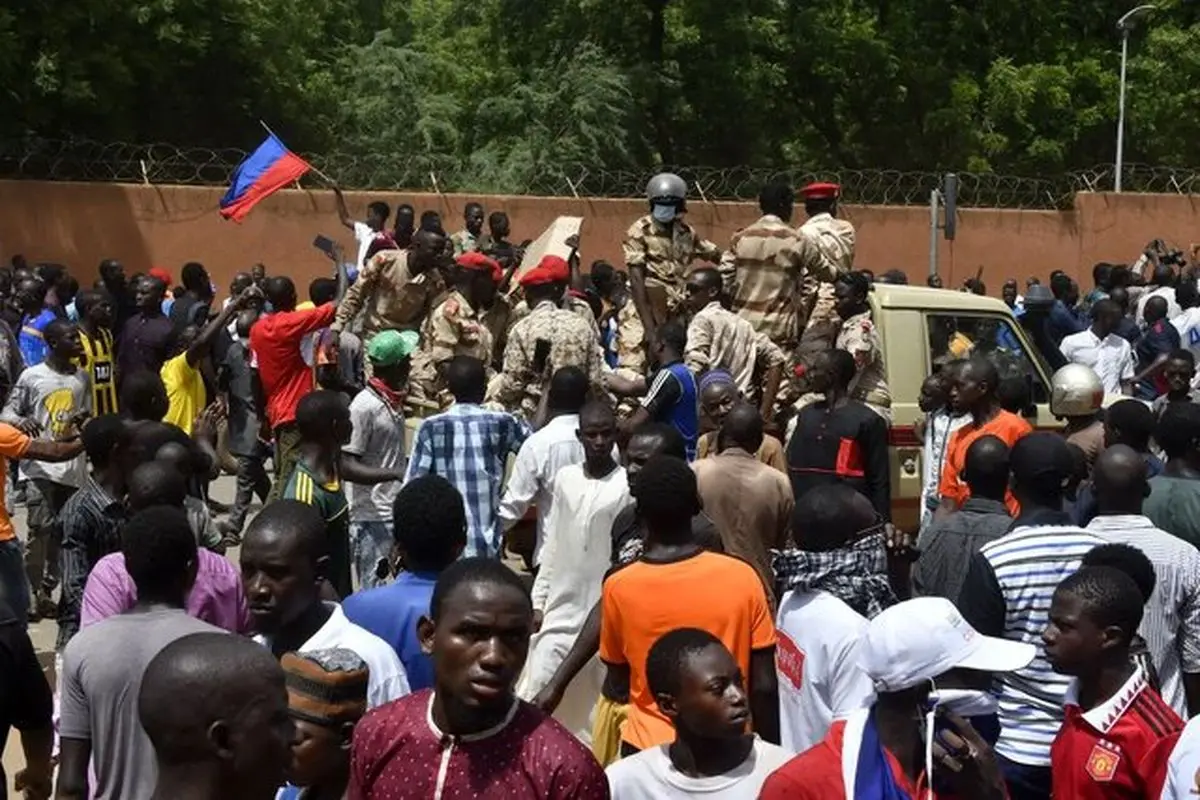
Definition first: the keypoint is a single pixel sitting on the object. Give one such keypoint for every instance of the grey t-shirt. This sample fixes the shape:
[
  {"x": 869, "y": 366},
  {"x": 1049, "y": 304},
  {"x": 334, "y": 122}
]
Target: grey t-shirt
[
  {"x": 102, "y": 677},
  {"x": 51, "y": 398},
  {"x": 378, "y": 440}
]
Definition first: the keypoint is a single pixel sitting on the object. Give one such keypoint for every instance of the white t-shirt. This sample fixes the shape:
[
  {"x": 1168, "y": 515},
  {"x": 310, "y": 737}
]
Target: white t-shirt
[
  {"x": 1188, "y": 325},
  {"x": 364, "y": 236},
  {"x": 1111, "y": 357},
  {"x": 941, "y": 424},
  {"x": 650, "y": 775},
  {"x": 816, "y": 658},
  {"x": 387, "y": 682},
  {"x": 1183, "y": 766},
  {"x": 50, "y": 399},
  {"x": 1165, "y": 292},
  {"x": 378, "y": 440}
]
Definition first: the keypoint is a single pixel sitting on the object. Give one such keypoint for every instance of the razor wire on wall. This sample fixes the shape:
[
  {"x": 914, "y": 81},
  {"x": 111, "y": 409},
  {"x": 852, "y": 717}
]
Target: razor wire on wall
[{"x": 84, "y": 160}]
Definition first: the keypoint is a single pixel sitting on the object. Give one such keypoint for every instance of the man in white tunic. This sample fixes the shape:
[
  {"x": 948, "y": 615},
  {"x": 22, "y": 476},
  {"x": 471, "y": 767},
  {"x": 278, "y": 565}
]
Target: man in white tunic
[{"x": 575, "y": 556}]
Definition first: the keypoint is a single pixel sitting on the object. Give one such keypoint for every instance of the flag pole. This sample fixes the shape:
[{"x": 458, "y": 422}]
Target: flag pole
[{"x": 321, "y": 174}]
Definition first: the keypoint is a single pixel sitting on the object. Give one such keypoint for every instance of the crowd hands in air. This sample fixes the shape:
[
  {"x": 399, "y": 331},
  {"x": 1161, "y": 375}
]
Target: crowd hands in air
[{"x": 690, "y": 456}]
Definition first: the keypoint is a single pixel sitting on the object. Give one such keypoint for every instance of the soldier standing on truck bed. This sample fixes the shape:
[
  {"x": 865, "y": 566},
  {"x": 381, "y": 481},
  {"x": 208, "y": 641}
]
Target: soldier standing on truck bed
[
  {"x": 766, "y": 270},
  {"x": 658, "y": 249}
]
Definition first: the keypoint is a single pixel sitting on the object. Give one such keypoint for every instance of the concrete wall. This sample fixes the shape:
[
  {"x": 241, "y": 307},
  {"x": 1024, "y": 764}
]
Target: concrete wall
[{"x": 79, "y": 224}]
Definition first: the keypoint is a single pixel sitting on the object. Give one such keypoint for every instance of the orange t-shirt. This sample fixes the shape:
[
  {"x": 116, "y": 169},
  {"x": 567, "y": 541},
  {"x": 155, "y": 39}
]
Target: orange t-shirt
[
  {"x": 1005, "y": 426},
  {"x": 644, "y": 600},
  {"x": 13, "y": 444}
]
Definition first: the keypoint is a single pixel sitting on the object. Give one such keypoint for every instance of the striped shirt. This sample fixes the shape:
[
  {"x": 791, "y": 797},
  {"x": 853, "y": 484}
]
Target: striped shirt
[
  {"x": 97, "y": 362},
  {"x": 91, "y": 523},
  {"x": 1171, "y": 624},
  {"x": 763, "y": 270},
  {"x": 1025, "y": 566}
]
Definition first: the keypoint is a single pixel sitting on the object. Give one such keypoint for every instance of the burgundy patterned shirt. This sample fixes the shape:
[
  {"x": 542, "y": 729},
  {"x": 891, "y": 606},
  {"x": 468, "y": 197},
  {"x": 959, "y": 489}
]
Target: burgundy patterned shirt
[{"x": 399, "y": 753}]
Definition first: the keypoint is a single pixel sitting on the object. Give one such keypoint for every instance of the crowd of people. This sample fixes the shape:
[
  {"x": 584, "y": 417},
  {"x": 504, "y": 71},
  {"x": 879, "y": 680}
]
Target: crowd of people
[{"x": 540, "y": 531}]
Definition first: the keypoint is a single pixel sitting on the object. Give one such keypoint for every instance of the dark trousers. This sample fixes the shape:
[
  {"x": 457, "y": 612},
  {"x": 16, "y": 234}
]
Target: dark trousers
[
  {"x": 1025, "y": 782},
  {"x": 251, "y": 480},
  {"x": 13, "y": 581},
  {"x": 45, "y": 502},
  {"x": 287, "y": 453}
]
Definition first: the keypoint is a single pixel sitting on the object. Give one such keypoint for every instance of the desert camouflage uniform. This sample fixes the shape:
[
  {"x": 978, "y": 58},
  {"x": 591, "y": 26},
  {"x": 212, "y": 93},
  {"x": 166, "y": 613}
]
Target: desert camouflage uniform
[
  {"x": 499, "y": 320},
  {"x": 519, "y": 387},
  {"x": 666, "y": 257},
  {"x": 835, "y": 239},
  {"x": 453, "y": 329},
  {"x": 772, "y": 273},
  {"x": 859, "y": 337},
  {"x": 631, "y": 336},
  {"x": 720, "y": 339},
  {"x": 393, "y": 297},
  {"x": 575, "y": 305},
  {"x": 464, "y": 242}
]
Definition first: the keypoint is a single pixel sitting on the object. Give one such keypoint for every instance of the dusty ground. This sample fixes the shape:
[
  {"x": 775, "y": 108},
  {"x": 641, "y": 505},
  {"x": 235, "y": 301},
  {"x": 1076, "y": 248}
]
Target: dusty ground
[{"x": 45, "y": 632}]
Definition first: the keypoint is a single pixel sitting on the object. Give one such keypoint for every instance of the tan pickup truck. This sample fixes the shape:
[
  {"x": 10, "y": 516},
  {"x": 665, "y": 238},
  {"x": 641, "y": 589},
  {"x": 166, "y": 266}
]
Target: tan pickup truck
[{"x": 917, "y": 327}]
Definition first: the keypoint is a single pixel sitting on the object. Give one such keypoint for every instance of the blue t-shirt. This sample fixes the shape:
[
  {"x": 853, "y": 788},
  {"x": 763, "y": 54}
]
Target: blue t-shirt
[
  {"x": 673, "y": 398},
  {"x": 391, "y": 612},
  {"x": 32, "y": 339}
]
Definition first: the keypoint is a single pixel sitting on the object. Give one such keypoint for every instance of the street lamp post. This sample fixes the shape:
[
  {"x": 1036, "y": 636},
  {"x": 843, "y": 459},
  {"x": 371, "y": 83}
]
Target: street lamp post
[{"x": 1124, "y": 25}]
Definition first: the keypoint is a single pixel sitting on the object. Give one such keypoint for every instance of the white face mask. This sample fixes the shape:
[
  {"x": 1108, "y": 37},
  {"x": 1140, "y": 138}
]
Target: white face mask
[{"x": 663, "y": 214}]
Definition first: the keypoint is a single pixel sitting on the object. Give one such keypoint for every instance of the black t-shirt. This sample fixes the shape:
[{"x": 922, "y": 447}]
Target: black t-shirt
[{"x": 627, "y": 536}]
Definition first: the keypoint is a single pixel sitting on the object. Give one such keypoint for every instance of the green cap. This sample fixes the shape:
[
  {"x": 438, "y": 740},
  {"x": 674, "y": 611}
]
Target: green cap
[{"x": 391, "y": 347}]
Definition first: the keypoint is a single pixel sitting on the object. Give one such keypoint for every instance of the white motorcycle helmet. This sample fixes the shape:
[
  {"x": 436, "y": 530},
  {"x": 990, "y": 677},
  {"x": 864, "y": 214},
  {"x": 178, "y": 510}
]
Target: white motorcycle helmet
[{"x": 1075, "y": 391}]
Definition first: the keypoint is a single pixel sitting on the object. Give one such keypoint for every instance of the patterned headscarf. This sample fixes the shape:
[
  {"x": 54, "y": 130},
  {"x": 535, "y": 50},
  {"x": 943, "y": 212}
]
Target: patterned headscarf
[{"x": 856, "y": 574}]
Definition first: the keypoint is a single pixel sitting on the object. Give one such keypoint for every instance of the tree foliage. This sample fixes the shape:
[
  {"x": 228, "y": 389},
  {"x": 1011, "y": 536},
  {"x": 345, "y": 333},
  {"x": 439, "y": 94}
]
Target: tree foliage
[{"x": 491, "y": 93}]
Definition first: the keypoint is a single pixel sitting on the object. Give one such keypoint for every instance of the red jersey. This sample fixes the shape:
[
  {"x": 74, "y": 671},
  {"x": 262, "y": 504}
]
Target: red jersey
[
  {"x": 1119, "y": 749},
  {"x": 275, "y": 342},
  {"x": 816, "y": 774}
]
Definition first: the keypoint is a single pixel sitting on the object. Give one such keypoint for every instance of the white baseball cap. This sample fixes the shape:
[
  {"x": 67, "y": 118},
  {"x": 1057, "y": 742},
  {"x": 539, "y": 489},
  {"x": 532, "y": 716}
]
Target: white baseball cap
[{"x": 917, "y": 640}]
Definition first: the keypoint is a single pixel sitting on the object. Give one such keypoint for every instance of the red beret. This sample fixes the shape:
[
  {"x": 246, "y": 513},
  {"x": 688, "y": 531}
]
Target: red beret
[
  {"x": 475, "y": 260},
  {"x": 161, "y": 273},
  {"x": 551, "y": 269},
  {"x": 821, "y": 191}
]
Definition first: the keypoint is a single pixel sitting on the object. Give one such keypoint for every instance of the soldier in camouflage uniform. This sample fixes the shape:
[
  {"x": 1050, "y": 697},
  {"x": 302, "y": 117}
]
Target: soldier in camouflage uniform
[
  {"x": 718, "y": 339},
  {"x": 659, "y": 247},
  {"x": 395, "y": 287},
  {"x": 546, "y": 340},
  {"x": 471, "y": 237},
  {"x": 860, "y": 338},
  {"x": 457, "y": 326},
  {"x": 766, "y": 270},
  {"x": 833, "y": 237}
]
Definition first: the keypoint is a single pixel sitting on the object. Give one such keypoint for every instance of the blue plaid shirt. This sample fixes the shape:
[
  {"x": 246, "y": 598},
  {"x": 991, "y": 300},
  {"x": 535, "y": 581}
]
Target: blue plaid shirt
[{"x": 469, "y": 446}]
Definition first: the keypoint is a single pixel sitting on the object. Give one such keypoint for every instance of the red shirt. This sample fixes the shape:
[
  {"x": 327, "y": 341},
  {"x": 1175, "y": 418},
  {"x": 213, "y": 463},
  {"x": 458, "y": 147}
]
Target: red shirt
[
  {"x": 398, "y": 753},
  {"x": 816, "y": 774},
  {"x": 1119, "y": 749},
  {"x": 275, "y": 342}
]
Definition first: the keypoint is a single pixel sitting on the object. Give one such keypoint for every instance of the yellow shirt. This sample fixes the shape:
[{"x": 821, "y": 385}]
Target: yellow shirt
[{"x": 185, "y": 392}]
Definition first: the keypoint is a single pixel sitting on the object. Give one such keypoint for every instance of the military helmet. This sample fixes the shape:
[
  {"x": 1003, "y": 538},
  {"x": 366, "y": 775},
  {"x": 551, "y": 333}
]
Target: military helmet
[
  {"x": 1075, "y": 391},
  {"x": 666, "y": 187}
]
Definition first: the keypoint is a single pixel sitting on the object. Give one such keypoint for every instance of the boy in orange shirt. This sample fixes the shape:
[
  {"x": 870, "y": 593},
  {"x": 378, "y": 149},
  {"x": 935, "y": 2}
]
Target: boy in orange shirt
[{"x": 673, "y": 585}]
